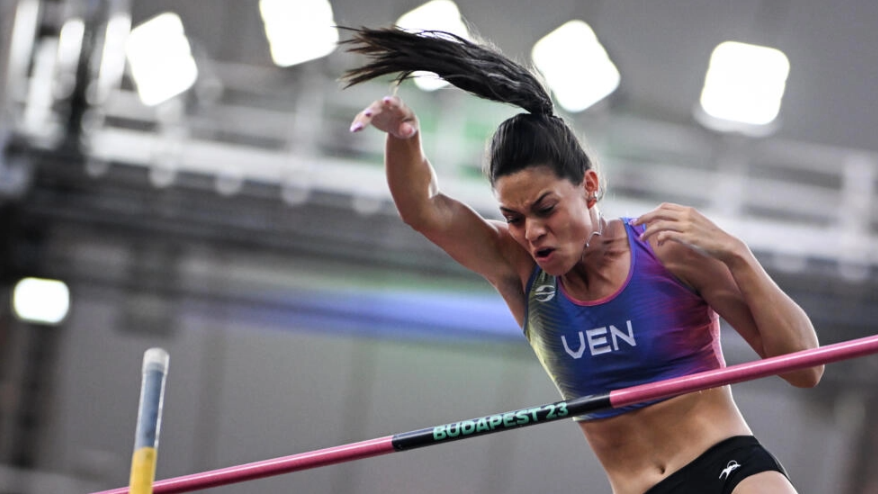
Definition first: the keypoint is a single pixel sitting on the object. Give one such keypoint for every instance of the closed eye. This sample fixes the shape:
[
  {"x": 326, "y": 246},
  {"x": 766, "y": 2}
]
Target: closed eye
[{"x": 546, "y": 211}]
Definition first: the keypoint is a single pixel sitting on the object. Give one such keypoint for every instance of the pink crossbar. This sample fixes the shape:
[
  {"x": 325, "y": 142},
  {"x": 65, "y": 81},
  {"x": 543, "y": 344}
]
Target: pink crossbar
[
  {"x": 628, "y": 396},
  {"x": 745, "y": 372},
  {"x": 268, "y": 468}
]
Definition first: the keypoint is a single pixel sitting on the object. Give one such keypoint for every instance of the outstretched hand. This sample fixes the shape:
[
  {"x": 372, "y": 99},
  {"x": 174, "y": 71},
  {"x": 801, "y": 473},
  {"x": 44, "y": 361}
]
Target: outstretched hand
[
  {"x": 683, "y": 224},
  {"x": 390, "y": 115}
]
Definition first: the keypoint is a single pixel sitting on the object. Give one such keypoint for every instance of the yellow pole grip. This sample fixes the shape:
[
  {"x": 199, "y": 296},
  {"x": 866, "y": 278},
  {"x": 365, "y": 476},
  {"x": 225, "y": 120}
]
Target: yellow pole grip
[{"x": 142, "y": 471}]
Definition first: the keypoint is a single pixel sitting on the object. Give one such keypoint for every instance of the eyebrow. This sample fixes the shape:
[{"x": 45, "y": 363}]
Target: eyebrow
[{"x": 533, "y": 205}]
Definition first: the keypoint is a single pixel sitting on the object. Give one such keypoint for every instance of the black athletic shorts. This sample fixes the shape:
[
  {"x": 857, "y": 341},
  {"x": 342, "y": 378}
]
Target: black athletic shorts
[{"x": 721, "y": 468}]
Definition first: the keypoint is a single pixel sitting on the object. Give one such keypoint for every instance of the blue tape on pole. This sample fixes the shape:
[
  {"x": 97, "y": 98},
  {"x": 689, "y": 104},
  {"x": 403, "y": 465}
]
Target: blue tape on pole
[{"x": 149, "y": 417}]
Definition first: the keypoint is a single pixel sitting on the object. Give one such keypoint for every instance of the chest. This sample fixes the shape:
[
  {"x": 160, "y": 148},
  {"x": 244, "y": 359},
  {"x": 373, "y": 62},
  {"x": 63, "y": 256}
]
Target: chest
[{"x": 648, "y": 319}]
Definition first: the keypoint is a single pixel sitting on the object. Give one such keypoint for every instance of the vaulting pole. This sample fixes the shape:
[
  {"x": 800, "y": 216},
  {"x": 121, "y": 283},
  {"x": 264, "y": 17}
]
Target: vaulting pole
[
  {"x": 517, "y": 418},
  {"x": 149, "y": 421}
]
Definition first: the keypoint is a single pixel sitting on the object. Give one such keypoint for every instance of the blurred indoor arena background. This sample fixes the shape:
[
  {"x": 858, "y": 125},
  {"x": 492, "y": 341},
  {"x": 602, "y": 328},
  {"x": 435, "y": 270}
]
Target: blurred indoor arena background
[{"x": 228, "y": 216}]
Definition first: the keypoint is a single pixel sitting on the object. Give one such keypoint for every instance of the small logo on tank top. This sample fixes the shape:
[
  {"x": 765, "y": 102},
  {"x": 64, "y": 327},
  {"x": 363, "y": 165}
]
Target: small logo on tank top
[
  {"x": 731, "y": 467},
  {"x": 544, "y": 293}
]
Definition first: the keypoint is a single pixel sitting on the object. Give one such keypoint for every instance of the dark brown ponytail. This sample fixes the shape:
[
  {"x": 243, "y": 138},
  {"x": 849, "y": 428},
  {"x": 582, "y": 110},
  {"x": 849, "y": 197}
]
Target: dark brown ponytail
[
  {"x": 527, "y": 139},
  {"x": 475, "y": 68}
]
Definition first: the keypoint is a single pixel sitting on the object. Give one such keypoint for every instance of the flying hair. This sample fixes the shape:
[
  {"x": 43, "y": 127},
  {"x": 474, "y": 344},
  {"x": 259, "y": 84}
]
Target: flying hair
[
  {"x": 478, "y": 69},
  {"x": 534, "y": 138}
]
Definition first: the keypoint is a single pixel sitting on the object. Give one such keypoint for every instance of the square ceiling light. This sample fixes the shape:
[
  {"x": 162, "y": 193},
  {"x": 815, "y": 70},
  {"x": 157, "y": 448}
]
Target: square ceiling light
[
  {"x": 744, "y": 84},
  {"x": 576, "y": 66},
  {"x": 160, "y": 59},
  {"x": 298, "y": 30},
  {"x": 41, "y": 301}
]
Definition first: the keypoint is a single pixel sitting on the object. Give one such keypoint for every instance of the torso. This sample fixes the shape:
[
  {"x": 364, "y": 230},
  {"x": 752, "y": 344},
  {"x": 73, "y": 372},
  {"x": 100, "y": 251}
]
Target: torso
[{"x": 641, "y": 447}]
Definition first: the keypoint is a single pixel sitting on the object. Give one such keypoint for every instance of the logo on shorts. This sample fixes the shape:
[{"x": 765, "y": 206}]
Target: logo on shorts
[
  {"x": 544, "y": 293},
  {"x": 731, "y": 467}
]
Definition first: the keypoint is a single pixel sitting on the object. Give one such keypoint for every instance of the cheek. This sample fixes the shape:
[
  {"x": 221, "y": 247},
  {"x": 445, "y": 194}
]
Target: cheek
[{"x": 570, "y": 229}]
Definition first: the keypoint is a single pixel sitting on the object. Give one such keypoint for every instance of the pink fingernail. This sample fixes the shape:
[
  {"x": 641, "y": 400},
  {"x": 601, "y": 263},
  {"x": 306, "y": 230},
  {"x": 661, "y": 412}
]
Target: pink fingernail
[
  {"x": 387, "y": 99},
  {"x": 368, "y": 113},
  {"x": 356, "y": 127}
]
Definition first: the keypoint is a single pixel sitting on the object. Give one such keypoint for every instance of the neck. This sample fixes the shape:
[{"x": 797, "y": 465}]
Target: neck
[
  {"x": 598, "y": 218},
  {"x": 594, "y": 249},
  {"x": 598, "y": 273}
]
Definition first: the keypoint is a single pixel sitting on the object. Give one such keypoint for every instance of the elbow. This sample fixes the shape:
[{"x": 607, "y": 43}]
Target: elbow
[
  {"x": 805, "y": 378},
  {"x": 409, "y": 219},
  {"x": 413, "y": 210},
  {"x": 415, "y": 221},
  {"x": 412, "y": 214},
  {"x": 422, "y": 218}
]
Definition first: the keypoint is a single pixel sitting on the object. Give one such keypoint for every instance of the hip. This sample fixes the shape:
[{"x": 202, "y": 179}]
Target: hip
[{"x": 642, "y": 448}]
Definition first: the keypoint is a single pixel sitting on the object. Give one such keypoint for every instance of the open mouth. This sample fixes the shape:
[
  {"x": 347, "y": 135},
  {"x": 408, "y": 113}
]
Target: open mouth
[{"x": 544, "y": 253}]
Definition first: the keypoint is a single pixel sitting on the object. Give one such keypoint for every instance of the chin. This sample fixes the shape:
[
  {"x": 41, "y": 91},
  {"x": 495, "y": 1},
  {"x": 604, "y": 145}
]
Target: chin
[{"x": 555, "y": 269}]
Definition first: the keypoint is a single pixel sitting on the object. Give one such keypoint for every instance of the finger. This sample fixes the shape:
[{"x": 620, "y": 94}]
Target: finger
[
  {"x": 406, "y": 130},
  {"x": 659, "y": 226},
  {"x": 396, "y": 105},
  {"x": 665, "y": 210},
  {"x": 357, "y": 125},
  {"x": 668, "y": 236},
  {"x": 361, "y": 121},
  {"x": 392, "y": 102},
  {"x": 657, "y": 215},
  {"x": 364, "y": 118}
]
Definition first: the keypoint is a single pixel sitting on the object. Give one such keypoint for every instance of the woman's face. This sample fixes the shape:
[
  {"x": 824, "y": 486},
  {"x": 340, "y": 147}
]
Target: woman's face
[{"x": 547, "y": 215}]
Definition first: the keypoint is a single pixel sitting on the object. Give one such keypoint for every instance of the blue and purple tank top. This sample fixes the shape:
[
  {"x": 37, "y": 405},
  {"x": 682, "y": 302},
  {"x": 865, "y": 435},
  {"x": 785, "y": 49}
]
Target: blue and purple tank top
[{"x": 653, "y": 328}]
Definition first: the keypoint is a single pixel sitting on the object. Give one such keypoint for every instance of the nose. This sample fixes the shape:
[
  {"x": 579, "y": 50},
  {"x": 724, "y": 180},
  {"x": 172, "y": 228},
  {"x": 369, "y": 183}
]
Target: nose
[{"x": 533, "y": 230}]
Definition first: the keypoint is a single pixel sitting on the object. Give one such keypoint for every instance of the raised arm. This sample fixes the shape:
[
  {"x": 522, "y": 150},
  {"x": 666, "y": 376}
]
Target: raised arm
[
  {"x": 729, "y": 277},
  {"x": 480, "y": 245},
  {"x": 485, "y": 247}
]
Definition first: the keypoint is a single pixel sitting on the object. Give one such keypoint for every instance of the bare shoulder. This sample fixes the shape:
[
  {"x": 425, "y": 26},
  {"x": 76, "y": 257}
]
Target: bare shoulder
[
  {"x": 520, "y": 262},
  {"x": 512, "y": 283}
]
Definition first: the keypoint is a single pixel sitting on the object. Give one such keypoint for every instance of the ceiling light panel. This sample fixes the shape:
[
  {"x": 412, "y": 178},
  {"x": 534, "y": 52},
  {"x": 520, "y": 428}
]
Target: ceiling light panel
[
  {"x": 160, "y": 59},
  {"x": 745, "y": 83},
  {"x": 298, "y": 30},
  {"x": 41, "y": 301},
  {"x": 576, "y": 66}
]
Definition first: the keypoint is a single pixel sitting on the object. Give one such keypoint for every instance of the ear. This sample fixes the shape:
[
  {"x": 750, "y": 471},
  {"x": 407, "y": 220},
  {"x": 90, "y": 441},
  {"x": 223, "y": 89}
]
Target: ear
[{"x": 592, "y": 184}]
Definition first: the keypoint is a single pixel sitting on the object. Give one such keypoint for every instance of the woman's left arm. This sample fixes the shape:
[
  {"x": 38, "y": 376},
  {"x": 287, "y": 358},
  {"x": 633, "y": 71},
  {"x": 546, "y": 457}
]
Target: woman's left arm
[{"x": 729, "y": 277}]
